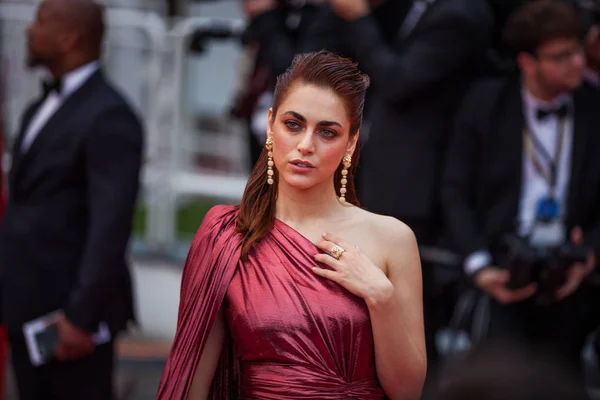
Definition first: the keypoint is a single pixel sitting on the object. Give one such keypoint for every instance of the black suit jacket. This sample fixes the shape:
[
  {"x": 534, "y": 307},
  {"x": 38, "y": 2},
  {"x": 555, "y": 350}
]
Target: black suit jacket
[
  {"x": 65, "y": 231},
  {"x": 318, "y": 28},
  {"x": 483, "y": 174},
  {"x": 416, "y": 85}
]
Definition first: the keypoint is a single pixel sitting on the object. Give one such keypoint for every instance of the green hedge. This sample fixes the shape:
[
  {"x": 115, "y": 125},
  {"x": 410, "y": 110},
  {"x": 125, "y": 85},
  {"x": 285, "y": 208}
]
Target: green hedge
[{"x": 189, "y": 216}]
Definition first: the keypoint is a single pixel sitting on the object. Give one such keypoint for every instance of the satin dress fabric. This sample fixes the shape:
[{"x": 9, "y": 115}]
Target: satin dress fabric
[
  {"x": 297, "y": 335},
  {"x": 210, "y": 265},
  {"x": 291, "y": 334}
]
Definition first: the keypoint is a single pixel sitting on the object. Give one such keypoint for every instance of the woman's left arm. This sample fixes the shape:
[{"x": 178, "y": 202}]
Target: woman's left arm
[
  {"x": 395, "y": 305},
  {"x": 397, "y": 319}
]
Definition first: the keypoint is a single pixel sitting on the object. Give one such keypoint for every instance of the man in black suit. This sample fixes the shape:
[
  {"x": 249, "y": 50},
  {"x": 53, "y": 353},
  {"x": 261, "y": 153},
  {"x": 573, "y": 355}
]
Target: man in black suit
[
  {"x": 420, "y": 56},
  {"x": 523, "y": 161},
  {"x": 419, "y": 64},
  {"x": 73, "y": 186}
]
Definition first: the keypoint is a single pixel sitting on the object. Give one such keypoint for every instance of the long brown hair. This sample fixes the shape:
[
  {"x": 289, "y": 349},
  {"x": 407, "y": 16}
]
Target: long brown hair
[{"x": 326, "y": 70}]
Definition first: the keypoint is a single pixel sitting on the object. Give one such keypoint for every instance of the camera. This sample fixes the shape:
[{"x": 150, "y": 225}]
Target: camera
[{"x": 545, "y": 266}]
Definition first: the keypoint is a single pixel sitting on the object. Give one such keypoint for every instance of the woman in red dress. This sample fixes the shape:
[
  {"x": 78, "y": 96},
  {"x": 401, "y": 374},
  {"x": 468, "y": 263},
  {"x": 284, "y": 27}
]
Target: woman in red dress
[{"x": 277, "y": 300}]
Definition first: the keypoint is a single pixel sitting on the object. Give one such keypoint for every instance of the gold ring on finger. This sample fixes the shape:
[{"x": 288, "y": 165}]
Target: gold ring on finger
[{"x": 337, "y": 251}]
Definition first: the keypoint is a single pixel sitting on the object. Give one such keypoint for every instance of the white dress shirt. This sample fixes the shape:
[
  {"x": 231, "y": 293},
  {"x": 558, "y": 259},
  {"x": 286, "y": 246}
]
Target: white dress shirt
[
  {"x": 533, "y": 186},
  {"x": 70, "y": 83}
]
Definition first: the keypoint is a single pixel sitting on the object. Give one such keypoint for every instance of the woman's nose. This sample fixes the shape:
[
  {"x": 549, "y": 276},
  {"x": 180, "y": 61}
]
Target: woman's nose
[{"x": 306, "y": 145}]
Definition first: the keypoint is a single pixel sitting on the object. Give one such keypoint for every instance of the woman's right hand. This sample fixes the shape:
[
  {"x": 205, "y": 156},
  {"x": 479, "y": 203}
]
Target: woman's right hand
[{"x": 493, "y": 280}]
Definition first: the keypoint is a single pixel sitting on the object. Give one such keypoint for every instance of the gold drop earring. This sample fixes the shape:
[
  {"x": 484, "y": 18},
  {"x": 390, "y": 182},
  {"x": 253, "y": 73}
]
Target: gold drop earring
[
  {"x": 346, "y": 162},
  {"x": 270, "y": 173}
]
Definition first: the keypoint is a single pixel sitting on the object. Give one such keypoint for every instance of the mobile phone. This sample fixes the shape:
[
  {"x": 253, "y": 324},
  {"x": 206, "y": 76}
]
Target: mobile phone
[{"x": 47, "y": 342}]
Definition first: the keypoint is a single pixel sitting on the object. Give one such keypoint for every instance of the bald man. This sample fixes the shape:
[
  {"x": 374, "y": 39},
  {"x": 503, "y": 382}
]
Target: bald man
[{"x": 73, "y": 186}]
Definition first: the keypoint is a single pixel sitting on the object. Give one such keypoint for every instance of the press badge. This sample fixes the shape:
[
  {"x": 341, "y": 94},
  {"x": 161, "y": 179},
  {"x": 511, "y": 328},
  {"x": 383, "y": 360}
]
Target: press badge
[
  {"x": 548, "y": 234},
  {"x": 548, "y": 229},
  {"x": 548, "y": 209}
]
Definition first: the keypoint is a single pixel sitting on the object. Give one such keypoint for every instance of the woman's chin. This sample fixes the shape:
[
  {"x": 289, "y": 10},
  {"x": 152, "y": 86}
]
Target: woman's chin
[{"x": 298, "y": 182}]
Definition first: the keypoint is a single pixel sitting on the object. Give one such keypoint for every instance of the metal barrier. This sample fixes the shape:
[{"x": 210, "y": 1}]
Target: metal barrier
[
  {"x": 172, "y": 171},
  {"x": 19, "y": 87}
]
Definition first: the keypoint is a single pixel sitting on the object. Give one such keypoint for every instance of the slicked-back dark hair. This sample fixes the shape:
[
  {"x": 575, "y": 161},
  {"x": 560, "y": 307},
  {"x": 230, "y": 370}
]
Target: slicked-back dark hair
[{"x": 325, "y": 70}]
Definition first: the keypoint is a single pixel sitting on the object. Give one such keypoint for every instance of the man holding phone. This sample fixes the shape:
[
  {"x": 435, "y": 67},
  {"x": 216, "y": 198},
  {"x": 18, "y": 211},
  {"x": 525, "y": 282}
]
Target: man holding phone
[{"x": 72, "y": 191}]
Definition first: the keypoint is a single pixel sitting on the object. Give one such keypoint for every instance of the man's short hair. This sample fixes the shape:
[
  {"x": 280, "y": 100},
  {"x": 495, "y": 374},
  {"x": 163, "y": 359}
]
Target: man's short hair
[{"x": 539, "y": 22}]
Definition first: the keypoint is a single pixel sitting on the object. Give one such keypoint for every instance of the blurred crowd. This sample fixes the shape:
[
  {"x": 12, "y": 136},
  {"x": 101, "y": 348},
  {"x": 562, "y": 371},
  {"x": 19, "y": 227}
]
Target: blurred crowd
[{"x": 481, "y": 132}]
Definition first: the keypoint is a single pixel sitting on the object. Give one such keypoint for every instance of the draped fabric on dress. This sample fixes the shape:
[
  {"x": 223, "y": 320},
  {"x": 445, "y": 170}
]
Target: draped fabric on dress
[
  {"x": 210, "y": 265},
  {"x": 293, "y": 334}
]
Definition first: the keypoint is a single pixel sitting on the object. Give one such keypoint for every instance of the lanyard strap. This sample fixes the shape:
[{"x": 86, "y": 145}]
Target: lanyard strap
[{"x": 532, "y": 143}]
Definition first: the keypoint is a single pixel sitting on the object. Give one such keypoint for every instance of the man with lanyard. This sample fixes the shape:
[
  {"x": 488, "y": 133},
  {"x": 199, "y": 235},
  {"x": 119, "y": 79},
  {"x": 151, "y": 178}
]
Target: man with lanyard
[{"x": 523, "y": 164}]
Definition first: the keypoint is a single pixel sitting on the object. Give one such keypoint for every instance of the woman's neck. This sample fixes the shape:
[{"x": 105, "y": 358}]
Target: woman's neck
[{"x": 298, "y": 206}]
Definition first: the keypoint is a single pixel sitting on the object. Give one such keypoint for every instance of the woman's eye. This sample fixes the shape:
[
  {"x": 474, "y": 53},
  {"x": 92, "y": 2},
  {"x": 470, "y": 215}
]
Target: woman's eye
[
  {"x": 328, "y": 133},
  {"x": 292, "y": 125}
]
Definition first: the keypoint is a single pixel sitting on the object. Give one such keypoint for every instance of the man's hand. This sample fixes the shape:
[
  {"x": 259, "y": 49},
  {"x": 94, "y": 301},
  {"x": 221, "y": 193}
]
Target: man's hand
[
  {"x": 493, "y": 281},
  {"x": 577, "y": 272},
  {"x": 350, "y": 10},
  {"x": 73, "y": 343}
]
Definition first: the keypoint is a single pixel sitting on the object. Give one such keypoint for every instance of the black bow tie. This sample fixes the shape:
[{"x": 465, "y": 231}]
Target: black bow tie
[
  {"x": 560, "y": 112},
  {"x": 50, "y": 86}
]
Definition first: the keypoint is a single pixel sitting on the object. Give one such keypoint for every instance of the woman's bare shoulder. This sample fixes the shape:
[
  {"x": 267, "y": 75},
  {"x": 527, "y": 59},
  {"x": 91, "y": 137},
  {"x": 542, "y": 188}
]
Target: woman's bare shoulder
[{"x": 385, "y": 228}]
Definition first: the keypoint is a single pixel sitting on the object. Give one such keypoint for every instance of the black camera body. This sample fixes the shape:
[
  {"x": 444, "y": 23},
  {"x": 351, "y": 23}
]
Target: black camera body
[{"x": 546, "y": 266}]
